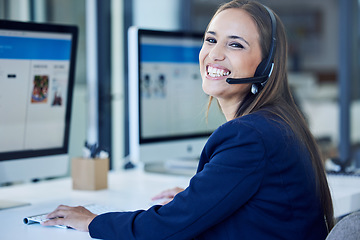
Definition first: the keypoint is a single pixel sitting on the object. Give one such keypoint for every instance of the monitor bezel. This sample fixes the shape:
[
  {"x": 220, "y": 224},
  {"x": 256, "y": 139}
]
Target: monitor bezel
[{"x": 48, "y": 28}]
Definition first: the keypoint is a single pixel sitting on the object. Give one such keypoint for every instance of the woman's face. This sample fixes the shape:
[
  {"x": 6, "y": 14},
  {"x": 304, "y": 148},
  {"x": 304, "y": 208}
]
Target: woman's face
[{"x": 231, "y": 49}]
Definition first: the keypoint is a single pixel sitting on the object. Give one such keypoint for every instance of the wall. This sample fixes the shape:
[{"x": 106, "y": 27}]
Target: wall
[
  {"x": 328, "y": 58},
  {"x": 157, "y": 14}
]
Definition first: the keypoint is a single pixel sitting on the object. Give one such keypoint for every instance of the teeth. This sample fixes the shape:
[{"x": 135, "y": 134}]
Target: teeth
[{"x": 216, "y": 72}]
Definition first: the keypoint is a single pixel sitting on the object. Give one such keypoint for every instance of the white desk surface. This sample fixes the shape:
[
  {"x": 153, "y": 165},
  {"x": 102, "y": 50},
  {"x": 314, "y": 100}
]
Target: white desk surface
[{"x": 128, "y": 190}]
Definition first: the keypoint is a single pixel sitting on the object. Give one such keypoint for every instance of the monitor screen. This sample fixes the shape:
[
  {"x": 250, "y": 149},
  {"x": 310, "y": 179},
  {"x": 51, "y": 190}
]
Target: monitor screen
[
  {"x": 166, "y": 97},
  {"x": 36, "y": 77}
]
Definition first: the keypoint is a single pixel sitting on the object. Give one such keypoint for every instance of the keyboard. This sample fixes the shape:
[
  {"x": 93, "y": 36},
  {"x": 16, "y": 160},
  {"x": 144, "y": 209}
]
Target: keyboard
[{"x": 94, "y": 208}]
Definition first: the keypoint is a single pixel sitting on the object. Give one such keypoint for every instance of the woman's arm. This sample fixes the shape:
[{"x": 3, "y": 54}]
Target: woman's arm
[{"x": 227, "y": 182}]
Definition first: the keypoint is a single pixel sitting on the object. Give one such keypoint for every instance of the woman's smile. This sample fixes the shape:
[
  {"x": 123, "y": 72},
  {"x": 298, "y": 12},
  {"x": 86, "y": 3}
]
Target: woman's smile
[{"x": 215, "y": 71}]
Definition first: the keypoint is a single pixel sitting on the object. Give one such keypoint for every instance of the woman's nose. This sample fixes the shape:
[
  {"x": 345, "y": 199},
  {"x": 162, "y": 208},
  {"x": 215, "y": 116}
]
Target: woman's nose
[{"x": 217, "y": 53}]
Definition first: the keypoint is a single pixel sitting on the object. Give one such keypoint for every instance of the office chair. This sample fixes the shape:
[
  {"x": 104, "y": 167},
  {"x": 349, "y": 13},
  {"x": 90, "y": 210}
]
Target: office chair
[{"x": 347, "y": 228}]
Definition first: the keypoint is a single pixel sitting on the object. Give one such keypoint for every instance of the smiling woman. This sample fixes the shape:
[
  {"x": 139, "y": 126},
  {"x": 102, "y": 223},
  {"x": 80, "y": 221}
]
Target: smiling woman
[{"x": 260, "y": 175}]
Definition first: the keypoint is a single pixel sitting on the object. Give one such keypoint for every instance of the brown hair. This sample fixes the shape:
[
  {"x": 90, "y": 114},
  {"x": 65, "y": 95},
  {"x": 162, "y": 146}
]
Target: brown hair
[{"x": 276, "y": 96}]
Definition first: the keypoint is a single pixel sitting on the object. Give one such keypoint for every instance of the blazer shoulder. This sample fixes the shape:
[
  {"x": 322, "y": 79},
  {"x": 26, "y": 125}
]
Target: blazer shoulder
[{"x": 260, "y": 125}]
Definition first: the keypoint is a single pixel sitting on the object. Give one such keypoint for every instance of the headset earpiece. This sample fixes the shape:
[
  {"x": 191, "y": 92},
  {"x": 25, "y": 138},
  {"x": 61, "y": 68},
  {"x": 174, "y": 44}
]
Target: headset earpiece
[
  {"x": 260, "y": 71},
  {"x": 261, "y": 68}
]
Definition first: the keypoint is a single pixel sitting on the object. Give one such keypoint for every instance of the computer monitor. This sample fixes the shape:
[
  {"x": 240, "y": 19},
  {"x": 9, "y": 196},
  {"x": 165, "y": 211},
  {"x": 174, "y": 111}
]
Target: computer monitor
[
  {"x": 168, "y": 124},
  {"x": 37, "y": 63}
]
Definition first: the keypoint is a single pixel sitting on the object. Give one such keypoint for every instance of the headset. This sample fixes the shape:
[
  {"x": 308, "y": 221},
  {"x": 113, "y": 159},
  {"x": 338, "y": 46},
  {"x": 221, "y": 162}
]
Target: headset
[{"x": 264, "y": 69}]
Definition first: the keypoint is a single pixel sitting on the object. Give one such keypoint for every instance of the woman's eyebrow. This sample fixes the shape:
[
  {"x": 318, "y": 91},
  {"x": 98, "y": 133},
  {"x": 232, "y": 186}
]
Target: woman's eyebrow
[{"x": 231, "y": 37}]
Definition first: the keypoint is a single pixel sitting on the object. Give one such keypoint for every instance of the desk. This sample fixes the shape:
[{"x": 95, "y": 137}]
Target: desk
[
  {"x": 128, "y": 190},
  {"x": 345, "y": 191}
]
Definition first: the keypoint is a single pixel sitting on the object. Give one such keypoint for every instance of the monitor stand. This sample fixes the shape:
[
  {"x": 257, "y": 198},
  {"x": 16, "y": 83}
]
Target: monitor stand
[
  {"x": 5, "y": 204},
  {"x": 181, "y": 166}
]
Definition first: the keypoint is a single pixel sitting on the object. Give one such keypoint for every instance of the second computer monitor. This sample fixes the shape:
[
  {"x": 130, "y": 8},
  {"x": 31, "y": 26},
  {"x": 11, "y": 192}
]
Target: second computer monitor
[{"x": 167, "y": 104}]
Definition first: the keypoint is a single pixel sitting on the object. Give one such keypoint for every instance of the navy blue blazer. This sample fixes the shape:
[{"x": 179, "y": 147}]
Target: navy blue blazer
[{"x": 254, "y": 181}]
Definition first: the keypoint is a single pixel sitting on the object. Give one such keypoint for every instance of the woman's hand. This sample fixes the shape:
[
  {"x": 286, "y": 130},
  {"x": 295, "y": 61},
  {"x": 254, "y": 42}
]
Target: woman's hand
[
  {"x": 75, "y": 217},
  {"x": 167, "y": 195}
]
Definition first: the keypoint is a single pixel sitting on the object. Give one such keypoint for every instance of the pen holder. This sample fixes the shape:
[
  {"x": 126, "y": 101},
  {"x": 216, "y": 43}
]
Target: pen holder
[{"x": 90, "y": 173}]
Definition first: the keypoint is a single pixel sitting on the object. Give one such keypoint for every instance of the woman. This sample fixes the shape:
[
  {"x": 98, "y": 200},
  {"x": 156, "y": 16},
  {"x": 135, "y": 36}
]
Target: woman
[{"x": 260, "y": 175}]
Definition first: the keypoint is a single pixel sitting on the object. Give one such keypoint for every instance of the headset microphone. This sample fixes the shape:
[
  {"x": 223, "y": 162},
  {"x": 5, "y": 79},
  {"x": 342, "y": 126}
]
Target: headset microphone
[
  {"x": 258, "y": 79},
  {"x": 264, "y": 70}
]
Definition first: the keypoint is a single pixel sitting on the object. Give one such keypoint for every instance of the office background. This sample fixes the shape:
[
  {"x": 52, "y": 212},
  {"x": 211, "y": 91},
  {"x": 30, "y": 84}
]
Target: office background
[{"x": 323, "y": 61}]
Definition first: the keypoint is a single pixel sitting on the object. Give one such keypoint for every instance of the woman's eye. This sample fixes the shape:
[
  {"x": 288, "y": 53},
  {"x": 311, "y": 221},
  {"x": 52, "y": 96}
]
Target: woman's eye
[
  {"x": 210, "y": 40},
  {"x": 236, "y": 45}
]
